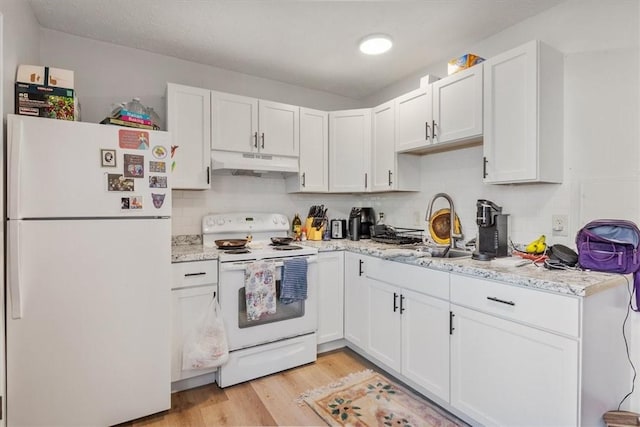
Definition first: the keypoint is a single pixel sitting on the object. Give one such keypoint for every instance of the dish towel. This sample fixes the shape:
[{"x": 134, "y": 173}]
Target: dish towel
[
  {"x": 294, "y": 280},
  {"x": 260, "y": 289}
]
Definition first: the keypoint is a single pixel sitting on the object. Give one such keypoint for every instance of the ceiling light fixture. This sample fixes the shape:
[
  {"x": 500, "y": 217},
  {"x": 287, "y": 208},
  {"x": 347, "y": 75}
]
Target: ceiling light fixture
[{"x": 375, "y": 44}]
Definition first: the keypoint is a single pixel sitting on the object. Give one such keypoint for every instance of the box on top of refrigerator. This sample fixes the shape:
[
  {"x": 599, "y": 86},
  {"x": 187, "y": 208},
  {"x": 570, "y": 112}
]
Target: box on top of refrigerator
[
  {"x": 45, "y": 76},
  {"x": 45, "y": 101}
]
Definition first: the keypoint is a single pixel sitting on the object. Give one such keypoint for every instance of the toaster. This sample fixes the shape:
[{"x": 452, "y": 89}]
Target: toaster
[{"x": 338, "y": 228}]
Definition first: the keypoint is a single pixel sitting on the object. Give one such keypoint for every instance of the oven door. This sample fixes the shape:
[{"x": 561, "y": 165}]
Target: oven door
[{"x": 289, "y": 320}]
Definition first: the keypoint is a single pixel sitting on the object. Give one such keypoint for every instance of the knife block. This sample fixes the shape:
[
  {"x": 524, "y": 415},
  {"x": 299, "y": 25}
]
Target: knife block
[{"x": 315, "y": 234}]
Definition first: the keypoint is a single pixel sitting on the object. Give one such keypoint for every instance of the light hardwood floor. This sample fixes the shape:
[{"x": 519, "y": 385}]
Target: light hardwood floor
[{"x": 267, "y": 401}]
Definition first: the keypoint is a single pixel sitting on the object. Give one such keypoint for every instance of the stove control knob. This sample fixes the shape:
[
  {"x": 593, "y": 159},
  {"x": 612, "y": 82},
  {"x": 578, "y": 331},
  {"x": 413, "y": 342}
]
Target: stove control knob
[
  {"x": 275, "y": 219},
  {"x": 283, "y": 220},
  {"x": 220, "y": 221}
]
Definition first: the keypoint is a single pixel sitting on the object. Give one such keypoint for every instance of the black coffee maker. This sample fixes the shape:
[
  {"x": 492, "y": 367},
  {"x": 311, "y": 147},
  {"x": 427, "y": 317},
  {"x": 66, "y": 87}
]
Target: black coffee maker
[
  {"x": 492, "y": 239},
  {"x": 366, "y": 217}
]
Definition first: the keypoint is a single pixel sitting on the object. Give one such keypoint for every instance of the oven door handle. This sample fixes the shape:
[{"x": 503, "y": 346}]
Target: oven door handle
[{"x": 241, "y": 265}]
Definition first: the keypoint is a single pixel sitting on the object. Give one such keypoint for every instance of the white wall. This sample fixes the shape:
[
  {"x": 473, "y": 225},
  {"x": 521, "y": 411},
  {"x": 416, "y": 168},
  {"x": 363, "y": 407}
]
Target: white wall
[
  {"x": 21, "y": 45},
  {"x": 106, "y": 73}
]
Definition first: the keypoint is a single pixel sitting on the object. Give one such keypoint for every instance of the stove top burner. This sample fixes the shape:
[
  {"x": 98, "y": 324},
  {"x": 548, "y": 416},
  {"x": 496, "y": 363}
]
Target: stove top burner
[{"x": 286, "y": 247}]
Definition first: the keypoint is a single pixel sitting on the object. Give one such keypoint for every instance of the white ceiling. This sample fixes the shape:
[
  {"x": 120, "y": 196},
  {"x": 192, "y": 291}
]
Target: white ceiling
[{"x": 313, "y": 44}]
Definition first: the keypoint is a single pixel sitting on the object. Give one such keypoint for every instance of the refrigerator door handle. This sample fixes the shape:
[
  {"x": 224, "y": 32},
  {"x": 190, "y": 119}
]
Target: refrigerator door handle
[
  {"x": 14, "y": 269},
  {"x": 15, "y": 144}
]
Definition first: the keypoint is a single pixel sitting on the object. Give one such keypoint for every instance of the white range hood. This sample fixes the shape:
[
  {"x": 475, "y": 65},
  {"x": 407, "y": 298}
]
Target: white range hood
[{"x": 252, "y": 163}]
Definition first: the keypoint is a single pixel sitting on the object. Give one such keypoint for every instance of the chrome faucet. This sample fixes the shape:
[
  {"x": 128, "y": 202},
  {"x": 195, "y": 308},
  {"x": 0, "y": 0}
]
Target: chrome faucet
[{"x": 452, "y": 212}]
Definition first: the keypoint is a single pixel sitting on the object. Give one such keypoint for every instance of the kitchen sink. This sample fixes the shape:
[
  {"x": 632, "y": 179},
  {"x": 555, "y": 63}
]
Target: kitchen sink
[{"x": 439, "y": 251}]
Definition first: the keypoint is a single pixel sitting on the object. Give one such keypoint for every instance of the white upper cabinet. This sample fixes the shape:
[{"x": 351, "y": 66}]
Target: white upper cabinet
[
  {"x": 383, "y": 147},
  {"x": 314, "y": 153},
  {"x": 523, "y": 115},
  {"x": 413, "y": 119},
  {"x": 390, "y": 171},
  {"x": 457, "y": 107},
  {"x": 248, "y": 125},
  {"x": 349, "y": 150},
  {"x": 189, "y": 121},
  {"x": 447, "y": 111},
  {"x": 235, "y": 122},
  {"x": 279, "y": 128}
]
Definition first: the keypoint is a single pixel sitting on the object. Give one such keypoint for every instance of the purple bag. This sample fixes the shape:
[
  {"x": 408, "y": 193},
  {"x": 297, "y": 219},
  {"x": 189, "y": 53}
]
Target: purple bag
[{"x": 610, "y": 245}]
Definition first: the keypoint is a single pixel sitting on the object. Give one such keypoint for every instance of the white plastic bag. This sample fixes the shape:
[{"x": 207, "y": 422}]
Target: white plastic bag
[{"x": 206, "y": 346}]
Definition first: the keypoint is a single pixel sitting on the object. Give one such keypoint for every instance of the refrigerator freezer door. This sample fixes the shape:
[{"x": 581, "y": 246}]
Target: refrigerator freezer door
[
  {"x": 57, "y": 168},
  {"x": 93, "y": 344}
]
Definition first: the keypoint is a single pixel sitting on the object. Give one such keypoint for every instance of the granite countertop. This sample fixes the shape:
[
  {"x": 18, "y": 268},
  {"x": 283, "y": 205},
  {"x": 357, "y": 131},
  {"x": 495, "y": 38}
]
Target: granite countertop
[{"x": 571, "y": 282}]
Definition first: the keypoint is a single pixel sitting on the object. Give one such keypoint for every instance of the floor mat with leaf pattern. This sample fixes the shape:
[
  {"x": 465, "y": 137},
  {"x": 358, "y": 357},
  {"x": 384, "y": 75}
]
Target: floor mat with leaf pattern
[{"x": 367, "y": 398}]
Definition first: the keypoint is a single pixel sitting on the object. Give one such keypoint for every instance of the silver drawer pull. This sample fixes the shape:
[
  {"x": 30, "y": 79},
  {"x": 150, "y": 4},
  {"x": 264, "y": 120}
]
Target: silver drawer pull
[
  {"x": 501, "y": 301},
  {"x": 195, "y": 274}
]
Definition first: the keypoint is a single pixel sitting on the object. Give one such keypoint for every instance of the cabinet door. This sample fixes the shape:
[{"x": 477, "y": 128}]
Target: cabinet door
[
  {"x": 188, "y": 307},
  {"x": 234, "y": 123},
  {"x": 413, "y": 120},
  {"x": 356, "y": 312},
  {"x": 457, "y": 106},
  {"x": 314, "y": 151},
  {"x": 189, "y": 121},
  {"x": 349, "y": 148},
  {"x": 510, "y": 115},
  {"x": 425, "y": 342},
  {"x": 505, "y": 373},
  {"x": 383, "y": 155},
  {"x": 278, "y": 133},
  {"x": 384, "y": 323},
  {"x": 330, "y": 296}
]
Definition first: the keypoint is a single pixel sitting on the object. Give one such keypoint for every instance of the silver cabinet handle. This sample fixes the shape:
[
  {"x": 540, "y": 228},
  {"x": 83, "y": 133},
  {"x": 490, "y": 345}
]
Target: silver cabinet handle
[
  {"x": 433, "y": 131},
  {"x": 255, "y": 139},
  {"x": 262, "y": 136},
  {"x": 484, "y": 167},
  {"x": 390, "y": 173},
  {"x": 365, "y": 180},
  {"x": 426, "y": 131},
  {"x": 202, "y": 273},
  {"x": 395, "y": 302},
  {"x": 304, "y": 179}
]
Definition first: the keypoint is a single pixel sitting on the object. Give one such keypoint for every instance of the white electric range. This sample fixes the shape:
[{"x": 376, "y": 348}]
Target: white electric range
[{"x": 274, "y": 342}]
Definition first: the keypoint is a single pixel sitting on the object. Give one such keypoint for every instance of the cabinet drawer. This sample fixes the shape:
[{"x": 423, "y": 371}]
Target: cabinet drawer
[
  {"x": 415, "y": 278},
  {"x": 538, "y": 308},
  {"x": 194, "y": 273}
]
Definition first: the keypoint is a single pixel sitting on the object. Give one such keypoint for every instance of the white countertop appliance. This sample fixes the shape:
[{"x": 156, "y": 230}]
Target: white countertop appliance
[
  {"x": 88, "y": 273},
  {"x": 274, "y": 342}
]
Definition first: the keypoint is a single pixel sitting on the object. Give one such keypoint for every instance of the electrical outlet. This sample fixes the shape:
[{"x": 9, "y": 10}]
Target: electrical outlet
[{"x": 560, "y": 225}]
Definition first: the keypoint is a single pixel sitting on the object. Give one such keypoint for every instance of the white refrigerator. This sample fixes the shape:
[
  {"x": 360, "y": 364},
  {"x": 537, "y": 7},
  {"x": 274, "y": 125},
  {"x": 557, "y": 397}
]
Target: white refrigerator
[{"x": 88, "y": 272}]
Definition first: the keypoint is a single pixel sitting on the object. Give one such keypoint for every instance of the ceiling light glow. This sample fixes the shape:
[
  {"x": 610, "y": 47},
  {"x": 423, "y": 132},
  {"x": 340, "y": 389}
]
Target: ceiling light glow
[{"x": 375, "y": 44}]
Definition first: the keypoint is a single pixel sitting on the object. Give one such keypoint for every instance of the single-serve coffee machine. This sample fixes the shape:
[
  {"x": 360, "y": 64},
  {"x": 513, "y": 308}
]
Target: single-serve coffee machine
[
  {"x": 360, "y": 222},
  {"x": 492, "y": 239}
]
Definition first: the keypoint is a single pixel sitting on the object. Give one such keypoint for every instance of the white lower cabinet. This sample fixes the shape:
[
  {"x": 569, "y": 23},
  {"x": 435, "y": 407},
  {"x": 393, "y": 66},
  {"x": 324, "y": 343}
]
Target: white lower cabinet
[
  {"x": 425, "y": 342},
  {"x": 491, "y": 352},
  {"x": 330, "y": 296},
  {"x": 409, "y": 322},
  {"x": 356, "y": 309},
  {"x": 385, "y": 340},
  {"x": 505, "y": 373},
  {"x": 194, "y": 286}
]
